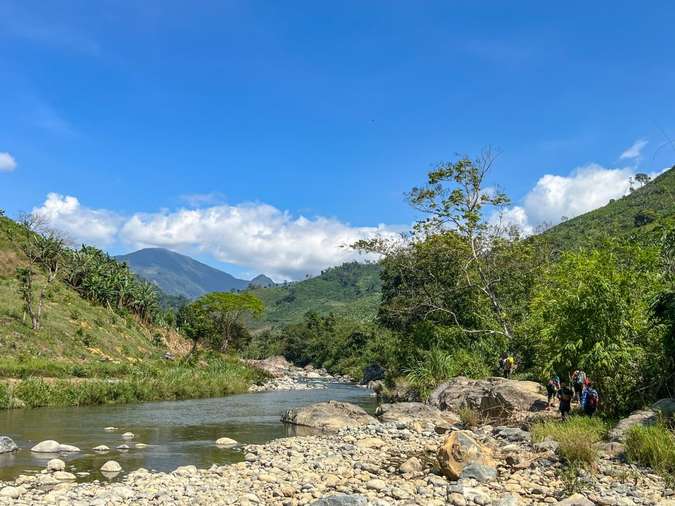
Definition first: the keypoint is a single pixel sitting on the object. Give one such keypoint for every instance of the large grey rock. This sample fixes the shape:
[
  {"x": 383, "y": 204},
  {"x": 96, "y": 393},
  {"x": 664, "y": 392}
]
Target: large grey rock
[
  {"x": 408, "y": 412},
  {"x": 329, "y": 416},
  {"x": 642, "y": 417},
  {"x": 479, "y": 472},
  {"x": 499, "y": 398},
  {"x": 373, "y": 372},
  {"x": 665, "y": 406},
  {"x": 341, "y": 500},
  {"x": 512, "y": 434},
  {"x": 7, "y": 445}
]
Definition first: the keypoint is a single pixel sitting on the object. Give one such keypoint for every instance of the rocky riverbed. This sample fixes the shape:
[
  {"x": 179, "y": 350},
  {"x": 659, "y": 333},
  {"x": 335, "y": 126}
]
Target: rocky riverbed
[
  {"x": 286, "y": 376},
  {"x": 411, "y": 454},
  {"x": 378, "y": 464}
]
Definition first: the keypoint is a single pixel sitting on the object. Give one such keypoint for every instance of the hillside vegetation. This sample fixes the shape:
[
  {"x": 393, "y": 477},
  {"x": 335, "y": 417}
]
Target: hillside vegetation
[
  {"x": 351, "y": 290},
  {"x": 92, "y": 328},
  {"x": 465, "y": 292},
  {"x": 642, "y": 214},
  {"x": 72, "y": 327}
]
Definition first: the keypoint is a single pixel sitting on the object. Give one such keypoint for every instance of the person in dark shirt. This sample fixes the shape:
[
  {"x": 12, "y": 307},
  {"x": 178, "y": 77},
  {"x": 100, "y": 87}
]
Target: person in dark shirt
[
  {"x": 565, "y": 395},
  {"x": 552, "y": 388}
]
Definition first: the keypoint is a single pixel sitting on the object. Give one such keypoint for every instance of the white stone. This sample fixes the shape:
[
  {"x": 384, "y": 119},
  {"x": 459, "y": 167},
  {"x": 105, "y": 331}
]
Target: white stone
[
  {"x": 48, "y": 446},
  {"x": 110, "y": 429},
  {"x": 56, "y": 465},
  {"x": 128, "y": 435},
  {"x": 101, "y": 448},
  {"x": 226, "y": 442},
  {"x": 68, "y": 449},
  {"x": 64, "y": 476},
  {"x": 11, "y": 492},
  {"x": 112, "y": 466}
]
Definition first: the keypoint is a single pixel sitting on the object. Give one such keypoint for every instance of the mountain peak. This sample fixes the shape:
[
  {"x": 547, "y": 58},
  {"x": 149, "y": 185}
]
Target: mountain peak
[
  {"x": 261, "y": 281},
  {"x": 177, "y": 274}
]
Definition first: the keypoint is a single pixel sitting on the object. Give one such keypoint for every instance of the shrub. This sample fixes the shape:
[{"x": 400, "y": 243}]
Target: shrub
[
  {"x": 576, "y": 437},
  {"x": 469, "y": 417},
  {"x": 438, "y": 365},
  {"x": 652, "y": 446}
]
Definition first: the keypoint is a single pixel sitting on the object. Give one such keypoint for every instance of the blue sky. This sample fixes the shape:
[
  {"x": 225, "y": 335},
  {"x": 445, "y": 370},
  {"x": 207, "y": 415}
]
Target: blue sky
[{"x": 287, "y": 127}]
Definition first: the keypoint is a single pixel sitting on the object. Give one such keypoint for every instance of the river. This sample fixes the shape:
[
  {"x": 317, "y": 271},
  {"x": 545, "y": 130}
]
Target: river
[{"x": 177, "y": 432}]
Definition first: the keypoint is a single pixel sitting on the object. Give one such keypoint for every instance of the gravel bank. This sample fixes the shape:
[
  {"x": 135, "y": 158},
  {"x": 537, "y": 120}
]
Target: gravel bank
[{"x": 383, "y": 464}]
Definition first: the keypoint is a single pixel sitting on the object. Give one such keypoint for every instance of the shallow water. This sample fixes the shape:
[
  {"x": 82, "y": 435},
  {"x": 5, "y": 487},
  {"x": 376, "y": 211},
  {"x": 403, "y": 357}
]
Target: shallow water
[{"x": 178, "y": 432}]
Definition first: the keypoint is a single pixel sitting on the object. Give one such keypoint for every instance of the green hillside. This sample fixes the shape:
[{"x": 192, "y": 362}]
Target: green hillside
[
  {"x": 641, "y": 214},
  {"x": 73, "y": 329},
  {"x": 352, "y": 290}
]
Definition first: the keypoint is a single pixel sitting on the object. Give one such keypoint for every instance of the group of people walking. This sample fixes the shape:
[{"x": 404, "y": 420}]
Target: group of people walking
[{"x": 579, "y": 389}]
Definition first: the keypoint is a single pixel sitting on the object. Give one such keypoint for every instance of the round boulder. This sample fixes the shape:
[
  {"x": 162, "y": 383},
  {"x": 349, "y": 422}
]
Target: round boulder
[
  {"x": 329, "y": 416},
  {"x": 48, "y": 446},
  {"x": 112, "y": 466},
  {"x": 459, "y": 451},
  {"x": 7, "y": 445},
  {"x": 56, "y": 465},
  {"x": 226, "y": 442}
]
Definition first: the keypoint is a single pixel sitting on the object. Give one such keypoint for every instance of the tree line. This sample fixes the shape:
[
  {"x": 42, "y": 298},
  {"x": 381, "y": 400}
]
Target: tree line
[{"x": 465, "y": 286}]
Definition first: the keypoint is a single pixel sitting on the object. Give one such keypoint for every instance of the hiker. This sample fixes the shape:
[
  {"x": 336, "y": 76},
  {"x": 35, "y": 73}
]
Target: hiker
[
  {"x": 578, "y": 380},
  {"x": 565, "y": 395},
  {"x": 509, "y": 366},
  {"x": 502, "y": 361},
  {"x": 590, "y": 399},
  {"x": 552, "y": 388}
]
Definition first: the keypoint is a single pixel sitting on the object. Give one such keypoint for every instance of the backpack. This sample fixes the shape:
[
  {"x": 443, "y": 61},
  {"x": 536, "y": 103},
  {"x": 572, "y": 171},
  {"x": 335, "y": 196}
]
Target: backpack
[
  {"x": 580, "y": 378},
  {"x": 565, "y": 395},
  {"x": 592, "y": 399}
]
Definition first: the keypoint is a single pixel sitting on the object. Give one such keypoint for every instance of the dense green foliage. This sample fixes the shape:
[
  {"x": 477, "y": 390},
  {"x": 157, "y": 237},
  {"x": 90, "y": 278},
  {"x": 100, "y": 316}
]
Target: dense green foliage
[
  {"x": 462, "y": 289},
  {"x": 591, "y": 310},
  {"x": 215, "y": 319}
]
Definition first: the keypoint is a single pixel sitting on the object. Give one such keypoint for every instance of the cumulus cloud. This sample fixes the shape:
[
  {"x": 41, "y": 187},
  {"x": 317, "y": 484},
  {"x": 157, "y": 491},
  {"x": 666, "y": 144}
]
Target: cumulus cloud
[
  {"x": 634, "y": 151},
  {"x": 7, "y": 162},
  {"x": 554, "y": 197},
  {"x": 259, "y": 237},
  {"x": 82, "y": 224}
]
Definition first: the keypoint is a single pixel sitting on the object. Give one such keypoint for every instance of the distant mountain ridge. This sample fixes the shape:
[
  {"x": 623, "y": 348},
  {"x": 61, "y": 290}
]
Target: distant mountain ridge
[{"x": 177, "y": 274}]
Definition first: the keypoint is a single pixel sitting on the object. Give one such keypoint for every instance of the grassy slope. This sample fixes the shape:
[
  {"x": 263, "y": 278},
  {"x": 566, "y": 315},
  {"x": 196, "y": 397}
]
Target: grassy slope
[
  {"x": 352, "y": 290},
  {"x": 73, "y": 329},
  {"x": 618, "y": 218},
  {"x": 81, "y": 345}
]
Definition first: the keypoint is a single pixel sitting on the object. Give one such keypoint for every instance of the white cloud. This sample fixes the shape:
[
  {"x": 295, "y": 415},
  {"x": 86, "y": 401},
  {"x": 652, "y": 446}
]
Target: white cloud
[
  {"x": 258, "y": 237},
  {"x": 634, "y": 151},
  {"x": 7, "y": 162},
  {"x": 79, "y": 223},
  {"x": 554, "y": 197}
]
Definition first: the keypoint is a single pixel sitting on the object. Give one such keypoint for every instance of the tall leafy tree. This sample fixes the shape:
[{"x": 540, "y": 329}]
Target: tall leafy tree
[{"x": 216, "y": 318}]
